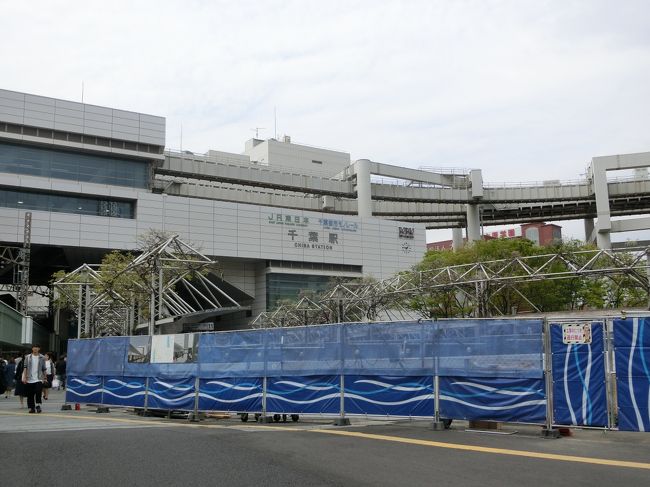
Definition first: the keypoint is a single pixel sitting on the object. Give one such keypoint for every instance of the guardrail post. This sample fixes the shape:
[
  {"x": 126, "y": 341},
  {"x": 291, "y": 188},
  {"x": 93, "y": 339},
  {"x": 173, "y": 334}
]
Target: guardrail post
[{"x": 342, "y": 420}]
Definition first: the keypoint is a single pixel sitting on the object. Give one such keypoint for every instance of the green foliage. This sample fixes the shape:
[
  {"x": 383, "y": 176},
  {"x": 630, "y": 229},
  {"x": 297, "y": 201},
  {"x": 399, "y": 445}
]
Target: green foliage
[{"x": 575, "y": 293}]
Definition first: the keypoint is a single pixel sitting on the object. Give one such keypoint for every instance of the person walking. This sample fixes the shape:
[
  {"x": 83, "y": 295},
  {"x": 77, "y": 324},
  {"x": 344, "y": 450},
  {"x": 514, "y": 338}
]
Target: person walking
[
  {"x": 3, "y": 383},
  {"x": 10, "y": 372},
  {"x": 49, "y": 374},
  {"x": 20, "y": 389},
  {"x": 60, "y": 371},
  {"x": 34, "y": 377}
]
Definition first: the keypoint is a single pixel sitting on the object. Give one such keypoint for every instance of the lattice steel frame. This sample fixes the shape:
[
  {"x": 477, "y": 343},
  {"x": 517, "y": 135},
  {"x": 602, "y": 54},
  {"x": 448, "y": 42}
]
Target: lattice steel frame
[{"x": 476, "y": 284}]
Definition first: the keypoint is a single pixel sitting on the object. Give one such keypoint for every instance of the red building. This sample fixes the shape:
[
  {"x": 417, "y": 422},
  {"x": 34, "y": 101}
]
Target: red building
[{"x": 541, "y": 233}]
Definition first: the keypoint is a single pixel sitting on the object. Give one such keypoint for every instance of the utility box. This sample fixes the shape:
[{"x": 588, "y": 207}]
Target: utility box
[{"x": 476, "y": 178}]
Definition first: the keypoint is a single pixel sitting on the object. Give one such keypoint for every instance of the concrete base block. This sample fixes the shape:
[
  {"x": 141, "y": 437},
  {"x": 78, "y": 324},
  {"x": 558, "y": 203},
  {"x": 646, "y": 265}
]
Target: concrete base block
[
  {"x": 342, "y": 422},
  {"x": 438, "y": 425},
  {"x": 194, "y": 418},
  {"x": 265, "y": 419},
  {"x": 102, "y": 409},
  {"x": 66, "y": 407},
  {"x": 551, "y": 433}
]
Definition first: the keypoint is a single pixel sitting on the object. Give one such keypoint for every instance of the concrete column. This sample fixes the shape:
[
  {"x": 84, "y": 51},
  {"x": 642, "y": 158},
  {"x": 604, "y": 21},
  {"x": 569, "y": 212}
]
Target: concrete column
[
  {"x": 603, "y": 240},
  {"x": 473, "y": 223},
  {"x": 456, "y": 238},
  {"x": 604, "y": 223},
  {"x": 364, "y": 198},
  {"x": 589, "y": 230}
]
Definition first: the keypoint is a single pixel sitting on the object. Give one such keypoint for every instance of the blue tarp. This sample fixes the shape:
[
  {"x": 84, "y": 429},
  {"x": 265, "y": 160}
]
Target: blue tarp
[
  {"x": 473, "y": 348},
  {"x": 579, "y": 388},
  {"x": 632, "y": 351}
]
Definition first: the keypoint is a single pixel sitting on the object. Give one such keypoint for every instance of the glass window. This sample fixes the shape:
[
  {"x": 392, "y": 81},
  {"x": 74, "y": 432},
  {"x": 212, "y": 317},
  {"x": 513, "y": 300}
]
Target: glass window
[
  {"x": 282, "y": 287},
  {"x": 60, "y": 203},
  {"x": 17, "y": 159}
]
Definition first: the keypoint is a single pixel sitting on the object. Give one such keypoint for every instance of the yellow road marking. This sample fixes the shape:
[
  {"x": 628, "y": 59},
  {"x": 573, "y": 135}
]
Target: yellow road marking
[
  {"x": 152, "y": 423},
  {"x": 397, "y": 439},
  {"x": 484, "y": 449}
]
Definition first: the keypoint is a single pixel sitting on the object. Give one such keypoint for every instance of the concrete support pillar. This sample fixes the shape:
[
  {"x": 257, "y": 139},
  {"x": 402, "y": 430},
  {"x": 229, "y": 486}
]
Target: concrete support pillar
[
  {"x": 473, "y": 223},
  {"x": 604, "y": 223},
  {"x": 456, "y": 238},
  {"x": 603, "y": 240},
  {"x": 589, "y": 230},
  {"x": 364, "y": 195}
]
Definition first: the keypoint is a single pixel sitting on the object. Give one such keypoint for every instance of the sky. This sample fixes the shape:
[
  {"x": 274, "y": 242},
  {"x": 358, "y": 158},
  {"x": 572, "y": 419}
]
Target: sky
[{"x": 524, "y": 90}]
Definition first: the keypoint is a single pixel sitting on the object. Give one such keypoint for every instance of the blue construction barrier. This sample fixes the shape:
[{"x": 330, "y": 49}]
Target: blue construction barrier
[
  {"x": 374, "y": 369},
  {"x": 579, "y": 381},
  {"x": 632, "y": 352}
]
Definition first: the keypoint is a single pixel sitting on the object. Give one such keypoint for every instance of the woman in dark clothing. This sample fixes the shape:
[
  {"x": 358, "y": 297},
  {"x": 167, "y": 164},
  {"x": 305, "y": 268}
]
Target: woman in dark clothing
[
  {"x": 10, "y": 371},
  {"x": 20, "y": 389},
  {"x": 60, "y": 371}
]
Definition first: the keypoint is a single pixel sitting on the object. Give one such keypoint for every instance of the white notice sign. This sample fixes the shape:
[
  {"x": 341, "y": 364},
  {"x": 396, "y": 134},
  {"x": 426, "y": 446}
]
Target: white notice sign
[{"x": 576, "y": 333}]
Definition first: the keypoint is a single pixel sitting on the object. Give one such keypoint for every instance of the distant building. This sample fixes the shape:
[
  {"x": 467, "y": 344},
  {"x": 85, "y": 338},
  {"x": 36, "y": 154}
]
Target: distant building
[{"x": 541, "y": 233}]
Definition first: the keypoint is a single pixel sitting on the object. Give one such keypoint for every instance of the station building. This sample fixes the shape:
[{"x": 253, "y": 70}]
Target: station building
[{"x": 95, "y": 179}]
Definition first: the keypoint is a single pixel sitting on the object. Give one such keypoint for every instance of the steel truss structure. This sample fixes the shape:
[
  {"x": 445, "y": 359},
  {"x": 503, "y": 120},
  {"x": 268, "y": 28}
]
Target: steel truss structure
[
  {"x": 474, "y": 287},
  {"x": 162, "y": 284}
]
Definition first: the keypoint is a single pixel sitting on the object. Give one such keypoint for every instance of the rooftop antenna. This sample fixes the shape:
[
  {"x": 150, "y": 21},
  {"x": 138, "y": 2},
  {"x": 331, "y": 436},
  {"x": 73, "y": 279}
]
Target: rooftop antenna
[
  {"x": 275, "y": 123},
  {"x": 257, "y": 131},
  {"x": 82, "y": 92}
]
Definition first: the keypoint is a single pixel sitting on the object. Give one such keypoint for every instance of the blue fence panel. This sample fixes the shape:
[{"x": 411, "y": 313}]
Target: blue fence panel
[
  {"x": 389, "y": 395},
  {"x": 124, "y": 391},
  {"x": 300, "y": 394},
  {"x": 239, "y": 394},
  {"x": 502, "y": 399},
  {"x": 86, "y": 389},
  {"x": 632, "y": 353},
  {"x": 232, "y": 354},
  {"x": 489, "y": 348},
  {"x": 171, "y": 393},
  {"x": 579, "y": 387},
  {"x": 385, "y": 348},
  {"x": 105, "y": 356}
]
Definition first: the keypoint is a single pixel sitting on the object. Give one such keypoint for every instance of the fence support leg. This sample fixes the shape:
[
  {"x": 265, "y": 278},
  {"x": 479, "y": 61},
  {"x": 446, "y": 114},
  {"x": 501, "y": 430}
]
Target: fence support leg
[
  {"x": 264, "y": 418},
  {"x": 194, "y": 415},
  {"x": 437, "y": 425},
  {"x": 548, "y": 431},
  {"x": 146, "y": 396},
  {"x": 342, "y": 420}
]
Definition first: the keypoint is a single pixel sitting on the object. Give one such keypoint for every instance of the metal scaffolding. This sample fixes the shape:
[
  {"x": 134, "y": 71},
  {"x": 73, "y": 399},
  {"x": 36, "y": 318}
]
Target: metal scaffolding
[
  {"x": 164, "y": 283},
  {"x": 473, "y": 287}
]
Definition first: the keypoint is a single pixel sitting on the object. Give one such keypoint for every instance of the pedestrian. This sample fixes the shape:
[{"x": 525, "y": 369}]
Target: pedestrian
[
  {"x": 21, "y": 389},
  {"x": 49, "y": 373},
  {"x": 10, "y": 371},
  {"x": 60, "y": 371},
  {"x": 34, "y": 377},
  {"x": 3, "y": 384}
]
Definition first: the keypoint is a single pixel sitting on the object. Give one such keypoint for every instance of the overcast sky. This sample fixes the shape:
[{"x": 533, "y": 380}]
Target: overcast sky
[{"x": 525, "y": 90}]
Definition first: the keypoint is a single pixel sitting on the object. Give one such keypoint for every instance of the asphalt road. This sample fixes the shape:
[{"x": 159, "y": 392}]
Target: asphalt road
[{"x": 82, "y": 448}]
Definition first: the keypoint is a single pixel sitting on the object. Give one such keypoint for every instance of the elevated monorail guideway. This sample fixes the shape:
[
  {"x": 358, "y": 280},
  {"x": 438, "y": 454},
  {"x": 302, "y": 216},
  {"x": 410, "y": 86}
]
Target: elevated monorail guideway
[{"x": 439, "y": 199}]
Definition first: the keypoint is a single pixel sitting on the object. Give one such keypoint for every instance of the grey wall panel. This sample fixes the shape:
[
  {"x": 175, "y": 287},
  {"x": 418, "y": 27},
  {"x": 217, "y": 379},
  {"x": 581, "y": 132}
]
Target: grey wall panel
[
  {"x": 37, "y": 122},
  {"x": 126, "y": 115}
]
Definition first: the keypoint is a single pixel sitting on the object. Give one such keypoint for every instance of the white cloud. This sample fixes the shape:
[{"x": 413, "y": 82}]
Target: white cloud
[{"x": 525, "y": 90}]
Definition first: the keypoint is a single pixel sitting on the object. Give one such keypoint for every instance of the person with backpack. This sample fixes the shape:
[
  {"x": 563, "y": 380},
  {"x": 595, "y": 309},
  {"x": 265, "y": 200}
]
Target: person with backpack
[{"x": 34, "y": 376}]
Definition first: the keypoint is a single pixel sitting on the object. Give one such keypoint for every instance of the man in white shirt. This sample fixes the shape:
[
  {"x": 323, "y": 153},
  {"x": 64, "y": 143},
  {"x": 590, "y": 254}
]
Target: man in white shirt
[{"x": 33, "y": 377}]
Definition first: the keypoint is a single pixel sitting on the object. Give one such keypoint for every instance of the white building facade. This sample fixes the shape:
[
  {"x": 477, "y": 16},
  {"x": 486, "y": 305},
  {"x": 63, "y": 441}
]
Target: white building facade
[{"x": 89, "y": 177}]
